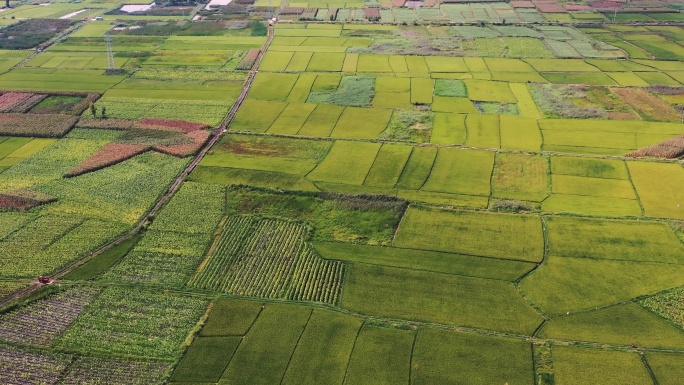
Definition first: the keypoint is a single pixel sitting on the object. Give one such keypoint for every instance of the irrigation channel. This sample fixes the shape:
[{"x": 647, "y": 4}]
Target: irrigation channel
[{"x": 222, "y": 128}]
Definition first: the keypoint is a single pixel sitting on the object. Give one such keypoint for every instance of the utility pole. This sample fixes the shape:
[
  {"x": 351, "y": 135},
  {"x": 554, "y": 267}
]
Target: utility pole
[{"x": 110, "y": 54}]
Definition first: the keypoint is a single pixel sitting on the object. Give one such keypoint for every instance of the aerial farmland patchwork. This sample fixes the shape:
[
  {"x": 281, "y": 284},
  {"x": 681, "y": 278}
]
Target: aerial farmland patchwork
[{"x": 342, "y": 192}]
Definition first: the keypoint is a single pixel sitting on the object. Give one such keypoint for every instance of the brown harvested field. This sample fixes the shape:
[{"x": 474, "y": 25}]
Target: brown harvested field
[
  {"x": 24, "y": 199},
  {"x": 620, "y": 115},
  {"x": 109, "y": 155},
  {"x": 668, "y": 149},
  {"x": 647, "y": 105}
]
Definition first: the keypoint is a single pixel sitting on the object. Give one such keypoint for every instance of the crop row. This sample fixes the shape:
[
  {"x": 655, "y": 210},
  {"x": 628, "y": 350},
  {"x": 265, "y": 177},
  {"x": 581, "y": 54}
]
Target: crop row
[
  {"x": 19, "y": 101},
  {"x": 247, "y": 62},
  {"x": 23, "y": 199},
  {"x": 139, "y": 182},
  {"x": 111, "y": 154},
  {"x": 268, "y": 258},
  {"x": 36, "y": 125},
  {"x": 95, "y": 370},
  {"x": 133, "y": 322},
  {"x": 316, "y": 279},
  {"x": 18, "y": 367},
  {"x": 196, "y": 208},
  {"x": 62, "y": 240},
  {"x": 165, "y": 258},
  {"x": 199, "y": 111},
  {"x": 41, "y": 322},
  {"x": 243, "y": 259},
  {"x": 199, "y": 138}
]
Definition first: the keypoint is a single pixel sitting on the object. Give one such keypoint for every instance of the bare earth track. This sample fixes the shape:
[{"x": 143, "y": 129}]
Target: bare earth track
[{"x": 223, "y": 127}]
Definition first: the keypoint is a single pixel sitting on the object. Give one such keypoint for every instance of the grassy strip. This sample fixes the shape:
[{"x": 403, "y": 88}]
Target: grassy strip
[{"x": 103, "y": 261}]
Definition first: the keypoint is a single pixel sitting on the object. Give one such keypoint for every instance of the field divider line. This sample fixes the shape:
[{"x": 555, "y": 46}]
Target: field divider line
[
  {"x": 299, "y": 339},
  {"x": 413, "y": 349},
  {"x": 211, "y": 249},
  {"x": 403, "y": 215},
  {"x": 461, "y": 146},
  {"x": 351, "y": 352},
  {"x": 386, "y": 320},
  {"x": 173, "y": 188},
  {"x": 491, "y": 176},
  {"x": 365, "y": 177},
  {"x": 636, "y": 192},
  {"x": 642, "y": 356}
]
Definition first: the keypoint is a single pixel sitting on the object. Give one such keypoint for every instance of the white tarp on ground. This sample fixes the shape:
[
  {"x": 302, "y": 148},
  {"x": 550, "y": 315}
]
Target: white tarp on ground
[
  {"x": 136, "y": 7},
  {"x": 72, "y": 14},
  {"x": 217, "y": 3}
]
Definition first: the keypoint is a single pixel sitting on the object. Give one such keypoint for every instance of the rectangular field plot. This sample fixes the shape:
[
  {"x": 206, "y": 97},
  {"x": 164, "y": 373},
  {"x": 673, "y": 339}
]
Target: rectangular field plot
[
  {"x": 361, "y": 123},
  {"x": 231, "y": 317},
  {"x": 446, "y": 64},
  {"x": 421, "y": 90},
  {"x": 561, "y": 65},
  {"x": 388, "y": 165},
  {"x": 519, "y": 133},
  {"x": 420, "y": 295},
  {"x": 506, "y": 236},
  {"x": 326, "y": 62},
  {"x": 347, "y": 162},
  {"x": 206, "y": 359},
  {"x": 321, "y": 121},
  {"x": 301, "y": 89},
  {"x": 323, "y": 351},
  {"x": 488, "y": 91},
  {"x": 392, "y": 84},
  {"x": 257, "y": 115},
  {"x": 292, "y": 156},
  {"x": 660, "y": 188},
  {"x": 666, "y": 367},
  {"x": 299, "y": 62},
  {"x": 272, "y": 86},
  {"x": 613, "y": 324},
  {"x": 275, "y": 61},
  {"x": 483, "y": 131},
  {"x": 392, "y": 100},
  {"x": 590, "y": 168},
  {"x": 611, "y": 239},
  {"x": 107, "y": 327},
  {"x": 449, "y": 104},
  {"x": 461, "y": 171},
  {"x": 599, "y": 187},
  {"x": 592, "y": 205},
  {"x": 264, "y": 353},
  {"x": 580, "y": 366},
  {"x": 383, "y": 353},
  {"x": 417, "y": 168},
  {"x": 438, "y": 262},
  {"x": 373, "y": 63},
  {"x": 68, "y": 80},
  {"x": 444, "y": 356},
  {"x": 566, "y": 284},
  {"x": 518, "y": 176},
  {"x": 448, "y": 129},
  {"x": 257, "y": 178},
  {"x": 291, "y": 120}
]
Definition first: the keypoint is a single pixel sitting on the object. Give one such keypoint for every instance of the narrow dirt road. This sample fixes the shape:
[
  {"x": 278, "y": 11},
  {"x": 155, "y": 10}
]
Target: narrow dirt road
[{"x": 223, "y": 127}]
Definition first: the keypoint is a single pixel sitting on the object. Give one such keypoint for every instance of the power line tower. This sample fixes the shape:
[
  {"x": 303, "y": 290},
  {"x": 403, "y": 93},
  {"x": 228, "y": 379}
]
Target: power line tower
[{"x": 110, "y": 54}]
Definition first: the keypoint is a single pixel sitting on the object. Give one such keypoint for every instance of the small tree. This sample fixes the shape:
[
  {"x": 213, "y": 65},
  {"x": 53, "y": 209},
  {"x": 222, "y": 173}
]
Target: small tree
[
  {"x": 93, "y": 110},
  {"x": 104, "y": 112}
]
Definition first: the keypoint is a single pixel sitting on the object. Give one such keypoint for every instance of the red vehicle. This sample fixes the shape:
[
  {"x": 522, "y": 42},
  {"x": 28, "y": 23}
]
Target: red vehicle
[{"x": 44, "y": 280}]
